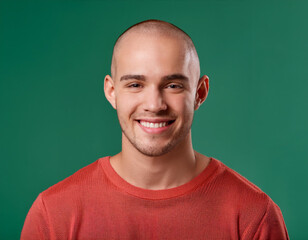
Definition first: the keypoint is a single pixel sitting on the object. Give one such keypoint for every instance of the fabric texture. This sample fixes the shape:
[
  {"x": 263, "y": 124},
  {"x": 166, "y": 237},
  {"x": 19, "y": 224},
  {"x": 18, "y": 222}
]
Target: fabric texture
[{"x": 96, "y": 203}]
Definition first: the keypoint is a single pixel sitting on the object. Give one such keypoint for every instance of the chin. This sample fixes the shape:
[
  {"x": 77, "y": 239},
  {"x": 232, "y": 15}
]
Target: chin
[
  {"x": 152, "y": 152},
  {"x": 156, "y": 151}
]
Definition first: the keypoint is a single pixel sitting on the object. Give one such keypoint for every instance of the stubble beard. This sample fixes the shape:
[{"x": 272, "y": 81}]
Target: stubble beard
[{"x": 152, "y": 151}]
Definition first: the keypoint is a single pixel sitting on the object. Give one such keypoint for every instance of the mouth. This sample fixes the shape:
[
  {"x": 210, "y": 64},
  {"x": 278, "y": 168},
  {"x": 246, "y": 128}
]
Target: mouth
[{"x": 155, "y": 124}]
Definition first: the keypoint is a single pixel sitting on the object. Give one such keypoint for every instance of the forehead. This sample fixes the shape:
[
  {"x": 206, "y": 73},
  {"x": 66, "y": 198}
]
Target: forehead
[{"x": 152, "y": 53}]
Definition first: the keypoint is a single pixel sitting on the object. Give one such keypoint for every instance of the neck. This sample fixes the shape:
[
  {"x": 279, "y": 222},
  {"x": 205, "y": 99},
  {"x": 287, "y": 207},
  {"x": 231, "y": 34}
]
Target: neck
[{"x": 172, "y": 169}]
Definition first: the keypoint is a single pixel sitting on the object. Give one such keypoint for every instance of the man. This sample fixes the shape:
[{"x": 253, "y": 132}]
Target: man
[{"x": 157, "y": 187}]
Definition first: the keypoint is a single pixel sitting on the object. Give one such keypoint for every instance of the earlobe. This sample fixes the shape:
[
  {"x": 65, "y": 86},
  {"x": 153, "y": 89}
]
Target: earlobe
[
  {"x": 110, "y": 91},
  {"x": 202, "y": 91}
]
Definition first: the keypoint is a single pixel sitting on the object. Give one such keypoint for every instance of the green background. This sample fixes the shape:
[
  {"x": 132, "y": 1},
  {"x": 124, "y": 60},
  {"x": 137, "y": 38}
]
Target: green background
[{"x": 55, "y": 118}]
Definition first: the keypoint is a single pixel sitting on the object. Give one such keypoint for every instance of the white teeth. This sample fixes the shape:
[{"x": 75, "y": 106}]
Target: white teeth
[{"x": 153, "y": 125}]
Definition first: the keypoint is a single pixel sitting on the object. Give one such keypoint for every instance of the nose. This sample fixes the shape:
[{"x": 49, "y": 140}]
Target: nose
[{"x": 154, "y": 101}]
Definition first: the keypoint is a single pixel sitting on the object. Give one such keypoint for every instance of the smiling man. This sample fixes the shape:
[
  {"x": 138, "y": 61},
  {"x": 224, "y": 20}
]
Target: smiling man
[{"x": 157, "y": 187}]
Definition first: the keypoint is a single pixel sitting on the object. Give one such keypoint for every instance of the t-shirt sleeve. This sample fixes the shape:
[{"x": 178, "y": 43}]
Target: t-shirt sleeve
[
  {"x": 36, "y": 223},
  {"x": 272, "y": 225}
]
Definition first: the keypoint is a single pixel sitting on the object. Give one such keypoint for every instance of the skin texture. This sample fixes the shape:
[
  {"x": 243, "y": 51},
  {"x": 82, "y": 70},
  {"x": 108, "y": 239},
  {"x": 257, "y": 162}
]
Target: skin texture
[{"x": 156, "y": 78}]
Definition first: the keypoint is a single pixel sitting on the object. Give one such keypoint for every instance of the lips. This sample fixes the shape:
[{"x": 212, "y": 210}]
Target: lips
[
  {"x": 150, "y": 124},
  {"x": 155, "y": 125}
]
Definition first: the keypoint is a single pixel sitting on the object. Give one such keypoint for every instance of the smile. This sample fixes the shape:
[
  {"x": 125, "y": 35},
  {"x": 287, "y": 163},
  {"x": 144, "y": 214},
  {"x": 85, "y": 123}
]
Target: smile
[{"x": 155, "y": 126}]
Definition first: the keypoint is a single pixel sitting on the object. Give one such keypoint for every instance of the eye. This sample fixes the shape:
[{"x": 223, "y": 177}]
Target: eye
[
  {"x": 174, "y": 86},
  {"x": 134, "y": 85}
]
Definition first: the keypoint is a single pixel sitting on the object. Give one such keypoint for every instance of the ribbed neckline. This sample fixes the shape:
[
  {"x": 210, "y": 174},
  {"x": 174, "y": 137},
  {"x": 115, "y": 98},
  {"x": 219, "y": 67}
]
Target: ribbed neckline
[{"x": 123, "y": 185}]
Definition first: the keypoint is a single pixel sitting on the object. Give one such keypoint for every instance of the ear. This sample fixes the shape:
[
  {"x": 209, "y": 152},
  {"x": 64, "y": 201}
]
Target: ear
[
  {"x": 202, "y": 91},
  {"x": 110, "y": 91}
]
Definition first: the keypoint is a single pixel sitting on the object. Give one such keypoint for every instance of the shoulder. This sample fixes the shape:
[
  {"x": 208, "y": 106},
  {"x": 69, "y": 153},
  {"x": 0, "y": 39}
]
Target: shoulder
[
  {"x": 256, "y": 212},
  {"x": 81, "y": 180},
  {"x": 235, "y": 181},
  {"x": 239, "y": 193}
]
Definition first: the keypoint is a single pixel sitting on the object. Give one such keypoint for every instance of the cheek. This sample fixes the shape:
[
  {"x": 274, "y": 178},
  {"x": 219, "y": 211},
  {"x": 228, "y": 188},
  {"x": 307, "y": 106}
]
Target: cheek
[
  {"x": 182, "y": 103},
  {"x": 126, "y": 105}
]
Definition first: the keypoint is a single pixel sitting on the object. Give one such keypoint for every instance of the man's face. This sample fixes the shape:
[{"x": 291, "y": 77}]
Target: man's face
[{"x": 155, "y": 83}]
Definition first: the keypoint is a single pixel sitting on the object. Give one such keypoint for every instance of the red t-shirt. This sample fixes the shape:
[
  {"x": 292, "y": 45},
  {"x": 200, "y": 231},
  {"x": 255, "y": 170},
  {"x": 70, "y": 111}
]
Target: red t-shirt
[{"x": 96, "y": 203}]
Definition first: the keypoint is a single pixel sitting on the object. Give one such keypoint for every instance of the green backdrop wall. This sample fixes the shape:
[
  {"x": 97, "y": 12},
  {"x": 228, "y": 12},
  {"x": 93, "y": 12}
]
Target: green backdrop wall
[{"x": 55, "y": 118}]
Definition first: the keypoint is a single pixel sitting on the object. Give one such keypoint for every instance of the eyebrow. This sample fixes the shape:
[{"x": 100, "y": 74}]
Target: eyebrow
[
  {"x": 177, "y": 76},
  {"x": 130, "y": 76}
]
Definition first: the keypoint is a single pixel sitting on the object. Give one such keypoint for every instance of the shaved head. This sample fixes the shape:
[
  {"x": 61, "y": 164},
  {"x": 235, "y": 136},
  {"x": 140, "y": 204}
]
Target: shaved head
[{"x": 156, "y": 28}]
